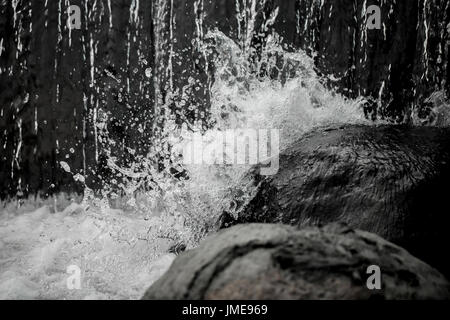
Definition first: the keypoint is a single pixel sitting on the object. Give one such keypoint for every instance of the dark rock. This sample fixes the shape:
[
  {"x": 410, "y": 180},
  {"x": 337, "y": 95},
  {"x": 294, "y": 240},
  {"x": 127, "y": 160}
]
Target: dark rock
[
  {"x": 389, "y": 180},
  {"x": 262, "y": 261}
]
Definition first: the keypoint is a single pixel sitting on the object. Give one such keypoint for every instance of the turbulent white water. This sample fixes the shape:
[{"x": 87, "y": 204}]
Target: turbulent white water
[
  {"x": 122, "y": 251},
  {"x": 122, "y": 245},
  {"x": 115, "y": 251},
  {"x": 241, "y": 100}
]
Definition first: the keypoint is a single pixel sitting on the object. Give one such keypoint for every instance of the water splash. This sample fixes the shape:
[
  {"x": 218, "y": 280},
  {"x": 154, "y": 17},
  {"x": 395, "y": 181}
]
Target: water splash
[
  {"x": 282, "y": 91},
  {"x": 181, "y": 203}
]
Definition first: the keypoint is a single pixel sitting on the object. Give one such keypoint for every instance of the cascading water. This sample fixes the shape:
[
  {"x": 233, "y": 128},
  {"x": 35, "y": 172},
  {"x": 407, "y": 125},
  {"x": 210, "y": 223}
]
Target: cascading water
[{"x": 151, "y": 199}]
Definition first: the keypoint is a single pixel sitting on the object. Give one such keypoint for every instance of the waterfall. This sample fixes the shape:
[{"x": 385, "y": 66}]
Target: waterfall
[
  {"x": 103, "y": 115},
  {"x": 125, "y": 87}
]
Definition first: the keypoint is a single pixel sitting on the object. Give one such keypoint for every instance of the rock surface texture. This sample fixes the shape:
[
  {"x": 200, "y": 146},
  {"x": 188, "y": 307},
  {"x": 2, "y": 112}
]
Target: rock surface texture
[
  {"x": 388, "y": 180},
  {"x": 263, "y": 261}
]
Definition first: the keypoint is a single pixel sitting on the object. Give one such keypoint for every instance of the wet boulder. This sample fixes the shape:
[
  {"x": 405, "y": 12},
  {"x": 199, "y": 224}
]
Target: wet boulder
[
  {"x": 268, "y": 261},
  {"x": 389, "y": 180}
]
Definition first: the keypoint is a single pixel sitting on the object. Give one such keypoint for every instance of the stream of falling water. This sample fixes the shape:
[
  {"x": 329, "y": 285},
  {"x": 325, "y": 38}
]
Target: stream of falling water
[{"x": 121, "y": 245}]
